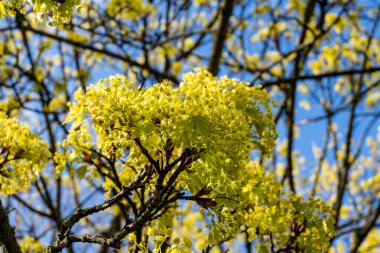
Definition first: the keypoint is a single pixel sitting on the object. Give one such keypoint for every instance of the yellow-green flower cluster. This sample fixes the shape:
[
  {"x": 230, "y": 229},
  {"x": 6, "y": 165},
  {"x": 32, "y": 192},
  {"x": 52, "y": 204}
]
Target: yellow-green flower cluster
[
  {"x": 129, "y": 9},
  {"x": 277, "y": 216},
  {"x": 9, "y": 7},
  {"x": 221, "y": 120},
  {"x": 61, "y": 11},
  {"x": 31, "y": 245},
  {"x": 22, "y": 155}
]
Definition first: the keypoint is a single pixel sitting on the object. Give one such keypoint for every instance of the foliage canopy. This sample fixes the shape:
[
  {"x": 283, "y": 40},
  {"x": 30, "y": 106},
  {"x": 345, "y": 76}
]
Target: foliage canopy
[{"x": 176, "y": 143}]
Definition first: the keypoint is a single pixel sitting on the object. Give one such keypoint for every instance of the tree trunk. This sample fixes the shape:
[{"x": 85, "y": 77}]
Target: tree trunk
[{"x": 7, "y": 233}]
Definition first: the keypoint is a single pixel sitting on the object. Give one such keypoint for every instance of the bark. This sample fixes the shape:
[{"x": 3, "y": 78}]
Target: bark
[
  {"x": 221, "y": 37},
  {"x": 7, "y": 233}
]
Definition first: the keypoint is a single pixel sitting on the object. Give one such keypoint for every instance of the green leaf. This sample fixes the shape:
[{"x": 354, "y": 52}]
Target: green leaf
[
  {"x": 193, "y": 128},
  {"x": 81, "y": 172}
]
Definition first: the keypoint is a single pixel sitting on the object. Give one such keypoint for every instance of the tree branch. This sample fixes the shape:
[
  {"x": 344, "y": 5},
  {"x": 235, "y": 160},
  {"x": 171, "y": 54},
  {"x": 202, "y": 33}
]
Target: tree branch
[
  {"x": 7, "y": 233},
  {"x": 221, "y": 37},
  {"x": 349, "y": 72},
  {"x": 124, "y": 58}
]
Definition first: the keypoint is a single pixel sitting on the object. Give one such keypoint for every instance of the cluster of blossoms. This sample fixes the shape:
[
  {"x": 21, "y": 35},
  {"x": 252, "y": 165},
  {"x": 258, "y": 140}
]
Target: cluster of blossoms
[
  {"x": 23, "y": 155},
  {"x": 219, "y": 122}
]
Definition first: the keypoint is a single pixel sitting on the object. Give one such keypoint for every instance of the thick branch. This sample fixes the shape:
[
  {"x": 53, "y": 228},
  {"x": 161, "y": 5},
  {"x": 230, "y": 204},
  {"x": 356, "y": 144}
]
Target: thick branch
[
  {"x": 7, "y": 233},
  {"x": 291, "y": 95},
  {"x": 221, "y": 37},
  {"x": 64, "y": 236},
  {"x": 362, "y": 233}
]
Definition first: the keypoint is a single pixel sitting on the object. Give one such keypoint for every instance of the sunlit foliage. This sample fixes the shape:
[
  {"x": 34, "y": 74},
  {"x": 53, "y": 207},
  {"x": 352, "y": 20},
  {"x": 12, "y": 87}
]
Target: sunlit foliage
[
  {"x": 23, "y": 155},
  {"x": 174, "y": 154}
]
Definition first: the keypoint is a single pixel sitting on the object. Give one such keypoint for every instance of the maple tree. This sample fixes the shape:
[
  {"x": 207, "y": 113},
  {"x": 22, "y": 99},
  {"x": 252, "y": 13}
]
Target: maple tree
[{"x": 124, "y": 126}]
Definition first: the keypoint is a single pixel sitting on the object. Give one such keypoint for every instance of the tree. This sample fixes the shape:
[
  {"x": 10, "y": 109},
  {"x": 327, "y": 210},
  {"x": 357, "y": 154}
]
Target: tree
[{"x": 138, "y": 160}]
